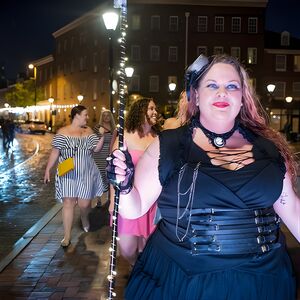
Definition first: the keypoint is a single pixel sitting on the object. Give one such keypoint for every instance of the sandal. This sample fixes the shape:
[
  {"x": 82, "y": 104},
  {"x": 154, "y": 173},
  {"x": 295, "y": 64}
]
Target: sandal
[{"x": 65, "y": 243}]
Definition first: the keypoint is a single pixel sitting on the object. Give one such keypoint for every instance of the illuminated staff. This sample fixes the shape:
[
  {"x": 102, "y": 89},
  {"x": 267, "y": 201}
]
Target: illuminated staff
[{"x": 122, "y": 4}]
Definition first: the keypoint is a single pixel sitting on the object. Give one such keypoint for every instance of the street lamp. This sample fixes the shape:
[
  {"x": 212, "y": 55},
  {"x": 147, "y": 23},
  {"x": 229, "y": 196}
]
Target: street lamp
[
  {"x": 288, "y": 99},
  {"x": 80, "y": 98},
  {"x": 270, "y": 88},
  {"x": 110, "y": 21},
  {"x": 51, "y": 100},
  {"x": 172, "y": 87},
  {"x": 32, "y": 67}
]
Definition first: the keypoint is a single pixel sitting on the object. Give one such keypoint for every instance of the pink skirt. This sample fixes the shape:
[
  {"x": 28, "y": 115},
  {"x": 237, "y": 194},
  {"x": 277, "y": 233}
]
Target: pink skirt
[{"x": 142, "y": 226}]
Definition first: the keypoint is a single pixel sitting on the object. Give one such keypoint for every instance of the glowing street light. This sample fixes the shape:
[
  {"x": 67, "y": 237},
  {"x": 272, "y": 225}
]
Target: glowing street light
[{"x": 80, "y": 98}]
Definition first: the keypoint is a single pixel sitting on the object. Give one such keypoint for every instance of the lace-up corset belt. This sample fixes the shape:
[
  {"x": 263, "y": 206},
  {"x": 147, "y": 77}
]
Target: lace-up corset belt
[{"x": 245, "y": 231}]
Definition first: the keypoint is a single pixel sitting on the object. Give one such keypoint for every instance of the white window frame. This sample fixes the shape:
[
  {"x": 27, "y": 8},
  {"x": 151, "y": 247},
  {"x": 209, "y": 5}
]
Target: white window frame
[
  {"x": 285, "y": 38},
  {"x": 252, "y": 25},
  {"x": 135, "y": 52},
  {"x": 154, "y": 53},
  {"x": 155, "y": 22},
  {"x": 236, "y": 24},
  {"x": 219, "y": 24},
  {"x": 154, "y": 83},
  {"x": 202, "y": 23},
  {"x": 218, "y": 50},
  {"x": 173, "y": 23},
  {"x": 173, "y": 54},
  {"x": 135, "y": 22},
  {"x": 135, "y": 83},
  {"x": 280, "y": 63}
]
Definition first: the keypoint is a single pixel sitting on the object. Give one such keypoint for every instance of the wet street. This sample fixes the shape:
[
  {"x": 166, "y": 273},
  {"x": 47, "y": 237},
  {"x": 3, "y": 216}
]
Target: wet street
[{"x": 24, "y": 198}]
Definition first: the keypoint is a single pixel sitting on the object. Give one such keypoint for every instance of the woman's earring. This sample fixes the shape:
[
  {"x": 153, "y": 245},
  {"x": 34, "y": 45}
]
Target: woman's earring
[{"x": 197, "y": 100}]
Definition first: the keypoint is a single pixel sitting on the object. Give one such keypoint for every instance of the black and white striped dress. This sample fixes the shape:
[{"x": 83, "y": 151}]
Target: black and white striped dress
[
  {"x": 85, "y": 180},
  {"x": 100, "y": 157}
]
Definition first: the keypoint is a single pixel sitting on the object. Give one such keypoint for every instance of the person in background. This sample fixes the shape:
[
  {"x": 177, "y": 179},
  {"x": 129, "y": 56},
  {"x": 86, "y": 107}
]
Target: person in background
[
  {"x": 223, "y": 183},
  {"x": 139, "y": 134},
  {"x": 83, "y": 183},
  {"x": 107, "y": 129},
  {"x": 182, "y": 114}
]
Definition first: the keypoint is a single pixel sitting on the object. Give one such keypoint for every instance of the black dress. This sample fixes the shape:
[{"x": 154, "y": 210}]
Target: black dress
[{"x": 167, "y": 270}]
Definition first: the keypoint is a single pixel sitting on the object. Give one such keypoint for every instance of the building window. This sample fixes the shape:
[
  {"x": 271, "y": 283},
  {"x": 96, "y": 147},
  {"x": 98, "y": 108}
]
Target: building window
[
  {"x": 51, "y": 73},
  {"x": 280, "y": 63},
  {"x": 279, "y": 92},
  {"x": 155, "y": 23},
  {"x": 136, "y": 22},
  {"x": 154, "y": 53},
  {"x": 218, "y": 50},
  {"x": 135, "y": 83},
  {"x": 235, "y": 24},
  {"x": 173, "y": 23},
  {"x": 296, "y": 89},
  {"x": 202, "y": 24},
  {"x": 235, "y": 52},
  {"x": 173, "y": 54},
  {"x": 297, "y": 63},
  {"x": 285, "y": 38},
  {"x": 95, "y": 62},
  {"x": 252, "y": 56},
  {"x": 135, "y": 52},
  {"x": 252, "y": 25},
  {"x": 202, "y": 50},
  {"x": 219, "y": 24},
  {"x": 154, "y": 84}
]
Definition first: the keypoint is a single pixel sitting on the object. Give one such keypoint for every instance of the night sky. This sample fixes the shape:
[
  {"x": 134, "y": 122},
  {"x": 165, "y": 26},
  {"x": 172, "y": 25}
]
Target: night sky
[{"x": 27, "y": 26}]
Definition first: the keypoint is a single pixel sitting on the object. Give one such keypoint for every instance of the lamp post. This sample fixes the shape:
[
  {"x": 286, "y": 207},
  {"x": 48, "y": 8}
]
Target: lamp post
[
  {"x": 288, "y": 126},
  {"x": 270, "y": 88},
  {"x": 51, "y": 100},
  {"x": 33, "y": 67},
  {"x": 110, "y": 21}
]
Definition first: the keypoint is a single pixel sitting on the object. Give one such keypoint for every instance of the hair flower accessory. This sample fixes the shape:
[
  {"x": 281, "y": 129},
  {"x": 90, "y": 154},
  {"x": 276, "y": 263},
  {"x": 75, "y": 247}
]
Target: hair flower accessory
[{"x": 194, "y": 71}]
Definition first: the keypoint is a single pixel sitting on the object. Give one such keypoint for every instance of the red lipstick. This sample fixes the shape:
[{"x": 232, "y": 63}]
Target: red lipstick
[{"x": 221, "y": 104}]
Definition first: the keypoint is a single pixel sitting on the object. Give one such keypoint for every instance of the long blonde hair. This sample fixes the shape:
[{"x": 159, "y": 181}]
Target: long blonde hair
[
  {"x": 252, "y": 114},
  {"x": 112, "y": 121}
]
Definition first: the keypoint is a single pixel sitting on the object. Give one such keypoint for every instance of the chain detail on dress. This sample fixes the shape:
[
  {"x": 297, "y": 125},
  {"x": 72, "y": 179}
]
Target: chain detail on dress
[{"x": 189, "y": 206}]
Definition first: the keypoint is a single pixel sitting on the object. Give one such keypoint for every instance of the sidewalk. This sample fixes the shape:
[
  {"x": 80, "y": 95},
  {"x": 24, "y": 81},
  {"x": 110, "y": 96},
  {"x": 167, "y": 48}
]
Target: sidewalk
[{"x": 44, "y": 270}]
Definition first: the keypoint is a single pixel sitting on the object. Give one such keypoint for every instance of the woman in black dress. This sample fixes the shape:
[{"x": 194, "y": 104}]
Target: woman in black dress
[{"x": 223, "y": 182}]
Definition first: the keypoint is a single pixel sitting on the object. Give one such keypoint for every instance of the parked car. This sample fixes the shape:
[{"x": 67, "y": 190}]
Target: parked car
[{"x": 33, "y": 127}]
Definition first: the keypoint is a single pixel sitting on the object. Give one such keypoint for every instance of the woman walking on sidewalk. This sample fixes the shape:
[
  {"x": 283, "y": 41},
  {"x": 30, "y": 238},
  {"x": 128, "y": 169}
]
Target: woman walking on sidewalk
[
  {"x": 83, "y": 182},
  {"x": 106, "y": 129}
]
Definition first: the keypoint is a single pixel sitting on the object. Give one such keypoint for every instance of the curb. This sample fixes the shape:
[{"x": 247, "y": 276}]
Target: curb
[{"x": 29, "y": 235}]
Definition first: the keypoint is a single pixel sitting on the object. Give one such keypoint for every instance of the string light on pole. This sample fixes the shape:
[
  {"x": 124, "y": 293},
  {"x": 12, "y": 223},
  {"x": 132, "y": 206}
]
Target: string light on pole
[{"x": 122, "y": 4}]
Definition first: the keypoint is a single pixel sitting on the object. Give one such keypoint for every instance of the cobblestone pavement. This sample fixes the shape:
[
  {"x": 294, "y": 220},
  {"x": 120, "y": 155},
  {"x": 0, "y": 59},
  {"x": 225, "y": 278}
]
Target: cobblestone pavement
[{"x": 24, "y": 198}]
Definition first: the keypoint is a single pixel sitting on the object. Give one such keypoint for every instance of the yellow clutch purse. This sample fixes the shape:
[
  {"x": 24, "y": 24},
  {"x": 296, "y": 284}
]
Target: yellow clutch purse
[{"x": 65, "y": 166}]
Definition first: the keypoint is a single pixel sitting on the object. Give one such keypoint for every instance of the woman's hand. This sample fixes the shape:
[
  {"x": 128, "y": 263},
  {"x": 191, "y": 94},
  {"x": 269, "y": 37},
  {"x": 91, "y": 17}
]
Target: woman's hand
[
  {"x": 120, "y": 170},
  {"x": 47, "y": 176}
]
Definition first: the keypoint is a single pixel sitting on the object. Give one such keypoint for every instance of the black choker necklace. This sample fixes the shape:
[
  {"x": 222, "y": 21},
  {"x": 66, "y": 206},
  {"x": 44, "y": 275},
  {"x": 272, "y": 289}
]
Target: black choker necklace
[{"x": 216, "y": 139}]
